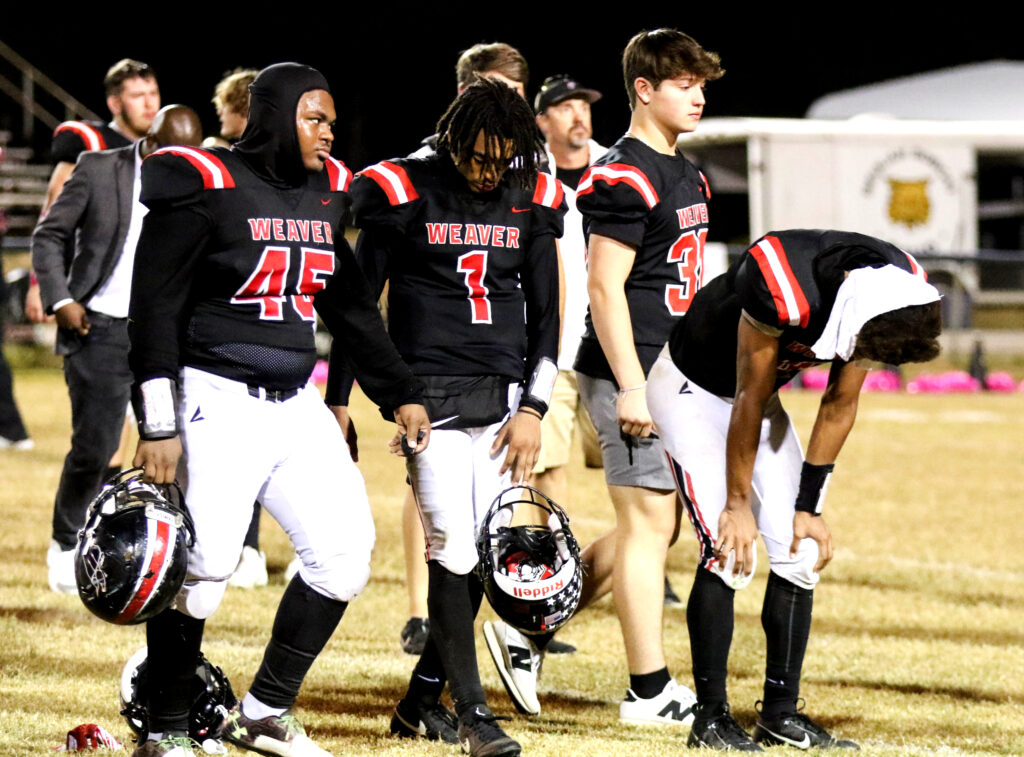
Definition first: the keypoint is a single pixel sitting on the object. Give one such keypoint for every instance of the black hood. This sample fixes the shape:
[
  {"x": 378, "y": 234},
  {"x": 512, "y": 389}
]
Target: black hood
[{"x": 269, "y": 143}]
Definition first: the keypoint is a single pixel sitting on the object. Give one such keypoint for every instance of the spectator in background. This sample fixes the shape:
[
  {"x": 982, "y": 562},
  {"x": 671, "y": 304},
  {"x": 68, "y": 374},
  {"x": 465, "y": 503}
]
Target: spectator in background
[
  {"x": 99, "y": 214},
  {"x": 231, "y": 98}
]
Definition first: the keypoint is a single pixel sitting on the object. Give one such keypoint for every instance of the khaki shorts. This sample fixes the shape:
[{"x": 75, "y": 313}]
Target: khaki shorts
[{"x": 565, "y": 414}]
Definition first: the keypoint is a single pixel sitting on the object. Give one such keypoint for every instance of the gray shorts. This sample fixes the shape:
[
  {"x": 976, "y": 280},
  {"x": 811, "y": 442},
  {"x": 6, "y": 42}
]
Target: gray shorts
[{"x": 628, "y": 461}]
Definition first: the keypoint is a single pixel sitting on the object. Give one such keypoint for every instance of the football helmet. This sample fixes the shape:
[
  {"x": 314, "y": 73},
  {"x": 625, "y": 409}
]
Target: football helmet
[
  {"x": 133, "y": 552},
  {"x": 212, "y": 698},
  {"x": 531, "y": 574}
]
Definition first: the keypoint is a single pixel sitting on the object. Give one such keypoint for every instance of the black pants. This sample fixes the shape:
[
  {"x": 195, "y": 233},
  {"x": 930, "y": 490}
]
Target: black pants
[
  {"x": 99, "y": 383},
  {"x": 11, "y": 426}
]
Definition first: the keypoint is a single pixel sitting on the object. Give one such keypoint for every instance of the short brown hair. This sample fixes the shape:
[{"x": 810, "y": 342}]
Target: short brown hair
[
  {"x": 125, "y": 69},
  {"x": 491, "y": 56},
  {"x": 232, "y": 92},
  {"x": 666, "y": 54}
]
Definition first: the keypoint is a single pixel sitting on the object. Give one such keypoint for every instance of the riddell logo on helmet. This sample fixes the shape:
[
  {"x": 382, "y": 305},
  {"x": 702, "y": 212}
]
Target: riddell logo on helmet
[{"x": 538, "y": 591}]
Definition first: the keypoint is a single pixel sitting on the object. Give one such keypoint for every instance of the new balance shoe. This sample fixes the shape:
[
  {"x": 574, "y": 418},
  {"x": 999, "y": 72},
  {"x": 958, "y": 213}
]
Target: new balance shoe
[
  {"x": 281, "y": 735},
  {"x": 719, "y": 731},
  {"x": 169, "y": 746},
  {"x": 414, "y": 635},
  {"x": 481, "y": 736},
  {"x": 433, "y": 723},
  {"x": 518, "y": 662},
  {"x": 251, "y": 570},
  {"x": 673, "y": 706},
  {"x": 797, "y": 730},
  {"x": 60, "y": 564}
]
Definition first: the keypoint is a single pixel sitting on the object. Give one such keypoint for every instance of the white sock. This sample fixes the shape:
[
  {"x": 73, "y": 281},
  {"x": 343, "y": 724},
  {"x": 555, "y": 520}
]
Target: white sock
[{"x": 254, "y": 709}]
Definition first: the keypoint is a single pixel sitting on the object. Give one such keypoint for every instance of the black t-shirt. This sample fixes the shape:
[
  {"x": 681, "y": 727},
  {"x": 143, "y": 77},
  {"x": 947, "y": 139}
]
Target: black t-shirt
[
  {"x": 72, "y": 138},
  {"x": 656, "y": 204},
  {"x": 571, "y": 177},
  {"x": 786, "y": 282}
]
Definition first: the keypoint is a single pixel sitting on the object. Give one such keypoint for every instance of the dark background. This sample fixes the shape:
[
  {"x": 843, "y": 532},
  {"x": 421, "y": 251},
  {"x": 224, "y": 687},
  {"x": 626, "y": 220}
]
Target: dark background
[{"x": 391, "y": 65}]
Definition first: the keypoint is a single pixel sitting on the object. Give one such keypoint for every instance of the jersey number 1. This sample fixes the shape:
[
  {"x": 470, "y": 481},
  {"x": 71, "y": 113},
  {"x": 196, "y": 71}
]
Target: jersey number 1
[
  {"x": 266, "y": 284},
  {"x": 474, "y": 265},
  {"x": 687, "y": 252}
]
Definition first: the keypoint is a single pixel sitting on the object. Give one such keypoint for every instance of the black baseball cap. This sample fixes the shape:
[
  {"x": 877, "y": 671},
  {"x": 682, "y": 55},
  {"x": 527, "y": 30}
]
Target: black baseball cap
[{"x": 562, "y": 87}]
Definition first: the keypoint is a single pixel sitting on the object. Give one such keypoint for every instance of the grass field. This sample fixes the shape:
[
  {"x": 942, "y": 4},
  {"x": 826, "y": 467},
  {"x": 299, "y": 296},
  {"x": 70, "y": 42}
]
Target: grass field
[{"x": 917, "y": 645}]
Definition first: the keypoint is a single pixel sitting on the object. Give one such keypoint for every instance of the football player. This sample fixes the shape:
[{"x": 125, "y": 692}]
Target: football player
[
  {"x": 240, "y": 251},
  {"x": 794, "y": 299},
  {"x": 468, "y": 245}
]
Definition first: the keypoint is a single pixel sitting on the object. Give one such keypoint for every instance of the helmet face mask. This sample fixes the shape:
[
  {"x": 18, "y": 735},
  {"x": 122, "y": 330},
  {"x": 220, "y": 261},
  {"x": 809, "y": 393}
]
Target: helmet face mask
[
  {"x": 211, "y": 693},
  {"x": 531, "y": 574},
  {"x": 132, "y": 554}
]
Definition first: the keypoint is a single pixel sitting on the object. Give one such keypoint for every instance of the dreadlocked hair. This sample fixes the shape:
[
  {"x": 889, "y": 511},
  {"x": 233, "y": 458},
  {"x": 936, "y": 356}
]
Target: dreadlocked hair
[{"x": 504, "y": 117}]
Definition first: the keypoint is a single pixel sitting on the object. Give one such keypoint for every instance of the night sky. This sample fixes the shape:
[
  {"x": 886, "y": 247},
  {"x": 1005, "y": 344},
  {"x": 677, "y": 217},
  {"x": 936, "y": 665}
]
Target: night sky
[{"x": 392, "y": 70}]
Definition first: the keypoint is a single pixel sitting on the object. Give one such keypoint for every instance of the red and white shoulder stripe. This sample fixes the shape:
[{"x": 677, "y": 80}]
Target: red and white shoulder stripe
[
  {"x": 790, "y": 301},
  {"x": 915, "y": 267},
  {"x": 549, "y": 191},
  {"x": 393, "y": 179},
  {"x": 339, "y": 174},
  {"x": 215, "y": 174},
  {"x": 614, "y": 173},
  {"x": 707, "y": 186},
  {"x": 91, "y": 137}
]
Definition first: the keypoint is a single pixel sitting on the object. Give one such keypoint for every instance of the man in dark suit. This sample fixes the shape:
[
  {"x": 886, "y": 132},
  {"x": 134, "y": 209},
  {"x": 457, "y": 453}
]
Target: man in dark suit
[{"x": 100, "y": 213}]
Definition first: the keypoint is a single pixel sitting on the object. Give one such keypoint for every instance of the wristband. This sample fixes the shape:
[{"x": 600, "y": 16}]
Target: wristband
[
  {"x": 530, "y": 411},
  {"x": 154, "y": 409},
  {"x": 813, "y": 485},
  {"x": 624, "y": 390},
  {"x": 542, "y": 382}
]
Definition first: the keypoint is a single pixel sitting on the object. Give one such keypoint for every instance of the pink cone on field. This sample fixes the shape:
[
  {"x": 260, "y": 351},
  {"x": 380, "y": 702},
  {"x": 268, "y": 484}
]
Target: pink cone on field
[{"x": 999, "y": 381}]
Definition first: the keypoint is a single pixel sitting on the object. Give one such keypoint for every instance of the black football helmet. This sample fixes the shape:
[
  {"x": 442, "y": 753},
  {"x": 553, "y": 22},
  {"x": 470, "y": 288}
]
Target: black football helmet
[
  {"x": 531, "y": 575},
  {"x": 133, "y": 552},
  {"x": 211, "y": 695}
]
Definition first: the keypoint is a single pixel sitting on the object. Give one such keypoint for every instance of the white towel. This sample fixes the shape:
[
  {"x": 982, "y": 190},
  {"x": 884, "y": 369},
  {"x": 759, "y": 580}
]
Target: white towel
[{"x": 868, "y": 292}]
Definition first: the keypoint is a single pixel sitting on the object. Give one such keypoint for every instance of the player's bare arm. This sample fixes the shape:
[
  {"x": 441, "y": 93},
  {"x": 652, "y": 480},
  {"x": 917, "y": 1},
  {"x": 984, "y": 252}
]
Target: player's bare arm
[
  {"x": 521, "y": 433},
  {"x": 836, "y": 415},
  {"x": 610, "y": 262},
  {"x": 756, "y": 358}
]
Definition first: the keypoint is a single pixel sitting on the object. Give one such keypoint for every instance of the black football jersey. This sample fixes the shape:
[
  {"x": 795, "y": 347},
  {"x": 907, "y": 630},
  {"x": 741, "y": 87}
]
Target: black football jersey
[
  {"x": 236, "y": 289},
  {"x": 72, "y": 138},
  {"x": 463, "y": 267},
  {"x": 656, "y": 204},
  {"x": 787, "y": 281}
]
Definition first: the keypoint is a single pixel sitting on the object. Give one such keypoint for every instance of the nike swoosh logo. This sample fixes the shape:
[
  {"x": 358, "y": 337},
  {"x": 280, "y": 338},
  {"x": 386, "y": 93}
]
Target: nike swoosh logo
[
  {"x": 435, "y": 424},
  {"x": 804, "y": 743},
  {"x": 325, "y": 201},
  {"x": 521, "y": 210}
]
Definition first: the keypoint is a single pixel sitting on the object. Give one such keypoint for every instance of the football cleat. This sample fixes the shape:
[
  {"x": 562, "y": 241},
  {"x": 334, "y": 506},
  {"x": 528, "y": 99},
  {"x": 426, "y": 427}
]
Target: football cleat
[
  {"x": 280, "y": 735},
  {"x": 797, "y": 730},
  {"x": 518, "y": 662},
  {"x": 414, "y": 635},
  {"x": 433, "y": 723},
  {"x": 673, "y": 706},
  {"x": 720, "y": 732},
  {"x": 168, "y": 746},
  {"x": 481, "y": 736}
]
